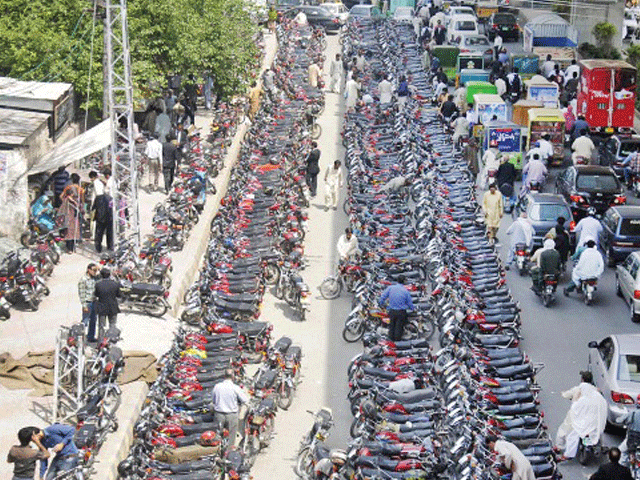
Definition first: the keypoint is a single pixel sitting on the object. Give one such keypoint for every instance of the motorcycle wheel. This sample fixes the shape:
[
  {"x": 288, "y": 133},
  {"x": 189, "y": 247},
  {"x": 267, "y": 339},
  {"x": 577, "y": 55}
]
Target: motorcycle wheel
[
  {"x": 356, "y": 428},
  {"x": 291, "y": 297},
  {"x": 26, "y": 239},
  {"x": 47, "y": 269},
  {"x": 33, "y": 304},
  {"x": 546, "y": 299},
  {"x": 267, "y": 432},
  {"x": 285, "y": 396},
  {"x": 428, "y": 328},
  {"x": 587, "y": 298},
  {"x": 330, "y": 288},
  {"x": 271, "y": 273},
  {"x": 5, "y": 314},
  {"x": 111, "y": 402},
  {"x": 353, "y": 329},
  {"x": 252, "y": 449},
  {"x": 191, "y": 317},
  {"x": 304, "y": 463},
  {"x": 156, "y": 309},
  {"x": 585, "y": 454},
  {"x": 316, "y": 131}
]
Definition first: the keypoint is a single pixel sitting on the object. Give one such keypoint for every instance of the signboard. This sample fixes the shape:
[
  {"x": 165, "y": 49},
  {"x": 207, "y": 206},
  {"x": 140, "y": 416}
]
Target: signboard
[
  {"x": 486, "y": 111},
  {"x": 63, "y": 112},
  {"x": 545, "y": 94},
  {"x": 505, "y": 139}
]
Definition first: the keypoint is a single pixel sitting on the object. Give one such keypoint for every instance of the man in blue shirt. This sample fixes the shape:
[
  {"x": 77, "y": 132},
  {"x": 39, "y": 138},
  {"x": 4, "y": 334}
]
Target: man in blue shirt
[
  {"x": 59, "y": 438},
  {"x": 397, "y": 300}
]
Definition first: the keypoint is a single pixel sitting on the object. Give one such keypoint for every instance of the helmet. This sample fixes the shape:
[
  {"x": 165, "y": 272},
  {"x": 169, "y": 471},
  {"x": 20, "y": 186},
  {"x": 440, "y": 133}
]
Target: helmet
[
  {"x": 338, "y": 456},
  {"x": 591, "y": 211},
  {"x": 209, "y": 439}
]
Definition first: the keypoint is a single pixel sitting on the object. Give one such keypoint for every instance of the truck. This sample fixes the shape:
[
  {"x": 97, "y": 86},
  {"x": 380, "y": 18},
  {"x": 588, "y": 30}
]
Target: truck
[
  {"x": 550, "y": 34},
  {"x": 607, "y": 95}
]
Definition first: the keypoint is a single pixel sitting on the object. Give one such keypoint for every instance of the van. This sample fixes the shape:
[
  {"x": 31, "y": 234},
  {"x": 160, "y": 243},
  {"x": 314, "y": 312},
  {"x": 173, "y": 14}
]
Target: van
[{"x": 462, "y": 25}]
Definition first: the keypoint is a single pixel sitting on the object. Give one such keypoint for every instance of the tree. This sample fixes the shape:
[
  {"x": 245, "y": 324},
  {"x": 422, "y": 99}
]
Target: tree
[
  {"x": 604, "y": 33},
  {"x": 51, "y": 41}
]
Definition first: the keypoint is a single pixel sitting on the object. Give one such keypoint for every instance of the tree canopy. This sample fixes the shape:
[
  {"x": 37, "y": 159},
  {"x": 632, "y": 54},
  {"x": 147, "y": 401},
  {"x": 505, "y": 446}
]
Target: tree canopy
[{"x": 50, "y": 40}]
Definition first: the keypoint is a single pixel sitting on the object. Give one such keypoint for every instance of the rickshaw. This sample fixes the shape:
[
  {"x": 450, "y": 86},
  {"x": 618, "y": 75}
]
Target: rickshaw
[
  {"x": 551, "y": 121},
  {"x": 474, "y": 88},
  {"x": 521, "y": 109},
  {"x": 544, "y": 92},
  {"x": 471, "y": 75},
  {"x": 487, "y": 105},
  {"x": 507, "y": 138}
]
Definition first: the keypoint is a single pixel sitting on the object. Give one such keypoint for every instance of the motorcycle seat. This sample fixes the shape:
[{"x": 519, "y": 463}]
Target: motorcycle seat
[
  {"x": 147, "y": 289},
  {"x": 266, "y": 380},
  {"x": 282, "y": 344},
  {"x": 294, "y": 353},
  {"x": 414, "y": 396}
]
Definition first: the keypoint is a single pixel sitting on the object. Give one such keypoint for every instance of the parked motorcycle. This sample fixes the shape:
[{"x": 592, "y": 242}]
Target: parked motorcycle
[{"x": 146, "y": 298}]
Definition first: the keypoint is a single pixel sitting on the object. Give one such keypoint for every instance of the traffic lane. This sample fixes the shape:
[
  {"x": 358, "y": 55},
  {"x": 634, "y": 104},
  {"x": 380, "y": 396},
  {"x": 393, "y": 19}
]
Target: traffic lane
[{"x": 558, "y": 338}]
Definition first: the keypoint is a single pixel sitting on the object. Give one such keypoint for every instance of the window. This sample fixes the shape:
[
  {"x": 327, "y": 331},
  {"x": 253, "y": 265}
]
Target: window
[
  {"x": 630, "y": 227},
  {"x": 548, "y": 212},
  {"x": 601, "y": 106},
  {"x": 629, "y": 147},
  {"x": 633, "y": 270},
  {"x": 606, "y": 351},
  {"x": 597, "y": 182},
  {"x": 625, "y": 80},
  {"x": 628, "y": 262},
  {"x": 475, "y": 41},
  {"x": 466, "y": 26},
  {"x": 629, "y": 368}
]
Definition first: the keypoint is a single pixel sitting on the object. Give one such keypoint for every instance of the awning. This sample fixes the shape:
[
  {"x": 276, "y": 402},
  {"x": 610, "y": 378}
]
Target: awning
[{"x": 91, "y": 141}]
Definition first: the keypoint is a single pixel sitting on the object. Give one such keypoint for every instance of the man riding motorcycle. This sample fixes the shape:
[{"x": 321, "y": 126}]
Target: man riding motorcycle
[
  {"x": 587, "y": 416},
  {"x": 521, "y": 232},
  {"x": 583, "y": 148},
  {"x": 588, "y": 228},
  {"x": 590, "y": 265},
  {"x": 547, "y": 261},
  {"x": 534, "y": 172}
]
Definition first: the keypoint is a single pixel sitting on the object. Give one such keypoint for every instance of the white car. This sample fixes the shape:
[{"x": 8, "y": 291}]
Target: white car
[
  {"x": 462, "y": 25},
  {"x": 338, "y": 9},
  {"x": 403, "y": 15},
  {"x": 453, "y": 11}
]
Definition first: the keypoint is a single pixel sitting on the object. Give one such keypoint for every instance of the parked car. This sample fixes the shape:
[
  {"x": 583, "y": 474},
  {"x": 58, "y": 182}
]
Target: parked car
[
  {"x": 455, "y": 10},
  {"x": 615, "y": 365},
  {"x": 338, "y": 9},
  {"x": 284, "y": 5},
  {"x": 317, "y": 16},
  {"x": 543, "y": 209},
  {"x": 504, "y": 23},
  {"x": 462, "y": 25},
  {"x": 628, "y": 284},
  {"x": 475, "y": 44},
  {"x": 365, "y": 11},
  {"x": 621, "y": 233},
  {"x": 615, "y": 149},
  {"x": 403, "y": 15},
  {"x": 585, "y": 186}
]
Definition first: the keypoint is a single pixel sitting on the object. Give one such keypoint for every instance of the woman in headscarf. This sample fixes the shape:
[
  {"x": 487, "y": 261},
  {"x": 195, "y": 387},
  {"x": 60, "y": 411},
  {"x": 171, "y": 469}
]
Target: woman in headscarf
[
  {"x": 72, "y": 210},
  {"x": 569, "y": 119}
]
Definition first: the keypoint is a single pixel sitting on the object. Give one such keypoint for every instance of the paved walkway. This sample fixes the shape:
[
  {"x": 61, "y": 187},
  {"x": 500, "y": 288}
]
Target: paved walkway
[{"x": 36, "y": 331}]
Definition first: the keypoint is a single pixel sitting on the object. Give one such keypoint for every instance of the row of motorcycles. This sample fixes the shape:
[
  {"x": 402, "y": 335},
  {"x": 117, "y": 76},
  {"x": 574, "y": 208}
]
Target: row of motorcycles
[
  {"x": 420, "y": 413},
  {"x": 256, "y": 242}
]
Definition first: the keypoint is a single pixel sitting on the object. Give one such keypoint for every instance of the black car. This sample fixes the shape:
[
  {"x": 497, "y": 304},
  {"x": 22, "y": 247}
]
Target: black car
[
  {"x": 504, "y": 23},
  {"x": 585, "y": 186},
  {"x": 615, "y": 149},
  {"x": 543, "y": 209},
  {"x": 284, "y": 5},
  {"x": 316, "y": 16},
  {"x": 621, "y": 233}
]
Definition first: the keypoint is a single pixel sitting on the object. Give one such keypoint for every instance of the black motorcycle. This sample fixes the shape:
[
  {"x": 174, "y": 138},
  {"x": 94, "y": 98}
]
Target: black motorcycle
[{"x": 147, "y": 298}]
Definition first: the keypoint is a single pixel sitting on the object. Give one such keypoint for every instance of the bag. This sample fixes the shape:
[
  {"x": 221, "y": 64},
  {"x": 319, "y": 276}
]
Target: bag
[
  {"x": 184, "y": 454},
  {"x": 633, "y": 435}
]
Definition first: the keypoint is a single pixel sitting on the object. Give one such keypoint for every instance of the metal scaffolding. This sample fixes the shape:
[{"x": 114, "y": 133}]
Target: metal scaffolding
[
  {"x": 68, "y": 373},
  {"x": 119, "y": 95}
]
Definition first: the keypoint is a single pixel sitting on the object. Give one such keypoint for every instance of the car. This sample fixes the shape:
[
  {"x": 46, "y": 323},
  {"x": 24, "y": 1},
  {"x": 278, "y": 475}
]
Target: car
[
  {"x": 543, "y": 209},
  {"x": 504, "y": 23},
  {"x": 365, "y": 11},
  {"x": 462, "y": 25},
  {"x": 316, "y": 16},
  {"x": 284, "y": 5},
  {"x": 615, "y": 365},
  {"x": 455, "y": 10},
  {"x": 475, "y": 44},
  {"x": 628, "y": 284},
  {"x": 621, "y": 233},
  {"x": 338, "y": 9},
  {"x": 585, "y": 186},
  {"x": 615, "y": 149},
  {"x": 403, "y": 15}
]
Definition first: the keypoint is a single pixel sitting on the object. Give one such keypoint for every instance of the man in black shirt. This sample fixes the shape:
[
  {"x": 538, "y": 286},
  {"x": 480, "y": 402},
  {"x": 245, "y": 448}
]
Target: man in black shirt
[
  {"x": 448, "y": 108},
  {"x": 170, "y": 160},
  {"x": 612, "y": 470},
  {"x": 313, "y": 169}
]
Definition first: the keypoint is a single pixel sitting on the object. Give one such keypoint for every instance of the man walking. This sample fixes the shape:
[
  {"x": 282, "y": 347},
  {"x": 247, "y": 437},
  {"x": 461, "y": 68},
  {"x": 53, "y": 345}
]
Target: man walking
[
  {"x": 227, "y": 398},
  {"x": 86, "y": 292},
  {"x": 493, "y": 208},
  {"x": 153, "y": 154},
  {"x": 313, "y": 169},
  {"x": 103, "y": 216},
  {"x": 335, "y": 71},
  {"x": 107, "y": 292},
  {"x": 333, "y": 181},
  {"x": 170, "y": 160},
  {"x": 397, "y": 300}
]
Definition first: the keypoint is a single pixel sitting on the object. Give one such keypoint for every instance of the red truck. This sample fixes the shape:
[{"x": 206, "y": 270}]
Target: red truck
[{"x": 607, "y": 95}]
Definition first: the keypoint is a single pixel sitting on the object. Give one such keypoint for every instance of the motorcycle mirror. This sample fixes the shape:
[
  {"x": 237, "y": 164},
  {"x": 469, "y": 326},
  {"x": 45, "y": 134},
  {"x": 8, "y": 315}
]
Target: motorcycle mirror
[{"x": 592, "y": 344}]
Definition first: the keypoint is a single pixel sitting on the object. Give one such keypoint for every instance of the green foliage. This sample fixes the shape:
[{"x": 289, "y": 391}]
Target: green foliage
[
  {"x": 50, "y": 41},
  {"x": 633, "y": 54},
  {"x": 563, "y": 10},
  {"x": 604, "y": 33},
  {"x": 589, "y": 50}
]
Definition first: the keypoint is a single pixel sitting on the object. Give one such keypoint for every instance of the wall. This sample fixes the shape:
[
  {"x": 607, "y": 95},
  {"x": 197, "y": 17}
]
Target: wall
[
  {"x": 13, "y": 193},
  {"x": 587, "y": 13}
]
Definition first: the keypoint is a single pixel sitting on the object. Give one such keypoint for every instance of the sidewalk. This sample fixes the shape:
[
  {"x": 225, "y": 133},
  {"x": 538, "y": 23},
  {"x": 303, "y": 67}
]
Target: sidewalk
[{"x": 36, "y": 331}]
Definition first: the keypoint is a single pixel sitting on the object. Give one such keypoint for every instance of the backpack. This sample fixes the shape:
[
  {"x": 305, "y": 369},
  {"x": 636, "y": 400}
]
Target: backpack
[{"x": 633, "y": 435}]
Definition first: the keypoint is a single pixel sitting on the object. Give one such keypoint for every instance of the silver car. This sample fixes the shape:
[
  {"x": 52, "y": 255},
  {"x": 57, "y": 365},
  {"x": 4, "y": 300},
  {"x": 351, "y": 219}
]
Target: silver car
[
  {"x": 615, "y": 365},
  {"x": 628, "y": 284}
]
